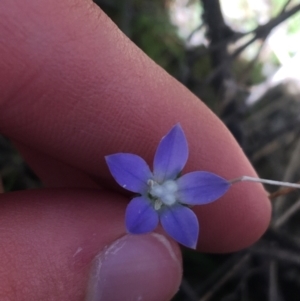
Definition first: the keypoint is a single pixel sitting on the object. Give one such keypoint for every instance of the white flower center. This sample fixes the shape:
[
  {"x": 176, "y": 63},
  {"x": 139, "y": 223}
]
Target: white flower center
[{"x": 165, "y": 193}]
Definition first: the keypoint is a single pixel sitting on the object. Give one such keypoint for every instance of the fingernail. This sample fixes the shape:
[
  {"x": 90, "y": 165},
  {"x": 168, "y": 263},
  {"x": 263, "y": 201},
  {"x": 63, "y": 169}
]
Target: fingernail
[{"x": 136, "y": 268}]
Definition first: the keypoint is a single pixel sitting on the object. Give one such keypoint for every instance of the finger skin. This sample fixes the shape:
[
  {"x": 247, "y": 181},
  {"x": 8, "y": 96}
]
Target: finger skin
[
  {"x": 49, "y": 239},
  {"x": 75, "y": 88},
  {"x": 54, "y": 172}
]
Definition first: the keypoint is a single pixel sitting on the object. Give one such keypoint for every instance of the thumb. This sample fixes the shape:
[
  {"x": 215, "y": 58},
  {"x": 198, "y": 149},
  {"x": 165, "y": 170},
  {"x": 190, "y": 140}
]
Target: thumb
[{"x": 70, "y": 245}]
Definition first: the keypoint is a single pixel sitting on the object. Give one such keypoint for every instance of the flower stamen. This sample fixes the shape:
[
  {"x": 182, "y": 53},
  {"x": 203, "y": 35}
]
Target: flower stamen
[
  {"x": 166, "y": 192},
  {"x": 157, "y": 204}
]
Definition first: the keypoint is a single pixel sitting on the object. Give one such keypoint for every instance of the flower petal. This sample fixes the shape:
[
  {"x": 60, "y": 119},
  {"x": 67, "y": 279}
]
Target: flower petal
[
  {"x": 130, "y": 171},
  {"x": 200, "y": 187},
  {"x": 171, "y": 155},
  {"x": 181, "y": 224},
  {"x": 140, "y": 216}
]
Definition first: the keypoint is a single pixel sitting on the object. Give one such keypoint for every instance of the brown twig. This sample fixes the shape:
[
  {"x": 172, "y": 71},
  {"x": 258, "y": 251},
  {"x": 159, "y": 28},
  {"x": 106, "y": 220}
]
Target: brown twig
[
  {"x": 227, "y": 276},
  {"x": 282, "y": 191},
  {"x": 261, "y": 32},
  {"x": 284, "y": 217},
  {"x": 217, "y": 32},
  {"x": 277, "y": 253},
  {"x": 285, "y": 6}
]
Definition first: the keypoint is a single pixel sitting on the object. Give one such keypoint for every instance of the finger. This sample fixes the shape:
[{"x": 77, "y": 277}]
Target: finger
[
  {"x": 111, "y": 105},
  {"x": 77, "y": 90},
  {"x": 55, "y": 173},
  {"x": 58, "y": 174},
  {"x": 67, "y": 245}
]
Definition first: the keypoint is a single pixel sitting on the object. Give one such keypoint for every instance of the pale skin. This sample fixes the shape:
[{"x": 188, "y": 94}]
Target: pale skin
[{"x": 73, "y": 89}]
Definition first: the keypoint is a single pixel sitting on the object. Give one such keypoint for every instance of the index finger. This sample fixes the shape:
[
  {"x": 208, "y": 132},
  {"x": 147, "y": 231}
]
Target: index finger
[{"x": 76, "y": 89}]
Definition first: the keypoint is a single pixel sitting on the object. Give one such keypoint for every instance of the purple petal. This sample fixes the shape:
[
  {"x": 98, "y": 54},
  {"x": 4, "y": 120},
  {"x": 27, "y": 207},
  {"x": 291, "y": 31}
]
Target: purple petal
[
  {"x": 200, "y": 187},
  {"x": 171, "y": 155},
  {"x": 130, "y": 171},
  {"x": 140, "y": 216},
  {"x": 181, "y": 224}
]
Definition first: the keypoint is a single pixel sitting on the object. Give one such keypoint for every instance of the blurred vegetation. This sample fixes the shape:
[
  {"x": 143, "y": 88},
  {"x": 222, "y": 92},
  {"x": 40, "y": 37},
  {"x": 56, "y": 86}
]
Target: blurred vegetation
[{"x": 147, "y": 24}]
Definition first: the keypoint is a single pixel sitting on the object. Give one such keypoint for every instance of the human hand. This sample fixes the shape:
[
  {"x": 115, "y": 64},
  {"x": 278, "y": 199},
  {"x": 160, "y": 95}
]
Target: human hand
[{"x": 74, "y": 89}]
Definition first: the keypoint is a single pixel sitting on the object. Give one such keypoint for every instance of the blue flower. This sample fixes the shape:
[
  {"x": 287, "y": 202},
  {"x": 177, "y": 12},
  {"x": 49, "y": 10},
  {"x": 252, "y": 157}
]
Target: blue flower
[{"x": 164, "y": 195}]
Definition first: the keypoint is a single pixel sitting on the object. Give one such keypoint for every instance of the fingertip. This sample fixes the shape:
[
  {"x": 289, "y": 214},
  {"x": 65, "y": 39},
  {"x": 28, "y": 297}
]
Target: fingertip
[
  {"x": 141, "y": 267},
  {"x": 242, "y": 215},
  {"x": 235, "y": 221}
]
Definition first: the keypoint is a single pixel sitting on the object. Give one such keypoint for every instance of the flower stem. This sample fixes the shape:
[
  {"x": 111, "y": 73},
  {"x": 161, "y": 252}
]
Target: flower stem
[{"x": 264, "y": 181}]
